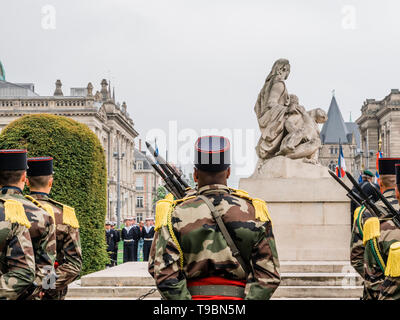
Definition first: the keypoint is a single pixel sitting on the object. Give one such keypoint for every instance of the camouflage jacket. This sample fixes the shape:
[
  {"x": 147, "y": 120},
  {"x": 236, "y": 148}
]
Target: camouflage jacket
[
  {"x": 17, "y": 261},
  {"x": 205, "y": 252},
  {"x": 372, "y": 281},
  {"x": 383, "y": 275},
  {"x": 69, "y": 253},
  {"x": 42, "y": 232}
]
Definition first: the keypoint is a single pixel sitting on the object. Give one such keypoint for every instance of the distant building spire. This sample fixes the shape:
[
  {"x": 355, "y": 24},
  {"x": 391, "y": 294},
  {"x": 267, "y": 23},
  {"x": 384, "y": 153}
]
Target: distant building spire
[
  {"x": 113, "y": 97},
  {"x": 350, "y": 117},
  {"x": 333, "y": 93}
]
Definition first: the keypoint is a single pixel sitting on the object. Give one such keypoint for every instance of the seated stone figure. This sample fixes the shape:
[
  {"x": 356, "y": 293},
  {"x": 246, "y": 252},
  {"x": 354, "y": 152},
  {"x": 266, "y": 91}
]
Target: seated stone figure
[{"x": 302, "y": 138}]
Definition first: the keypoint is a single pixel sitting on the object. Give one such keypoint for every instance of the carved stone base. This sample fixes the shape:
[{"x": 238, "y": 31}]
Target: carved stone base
[
  {"x": 283, "y": 167},
  {"x": 310, "y": 211}
]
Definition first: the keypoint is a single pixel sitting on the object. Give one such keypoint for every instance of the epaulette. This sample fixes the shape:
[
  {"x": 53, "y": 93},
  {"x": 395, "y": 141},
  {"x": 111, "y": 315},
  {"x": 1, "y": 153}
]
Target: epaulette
[
  {"x": 260, "y": 205},
  {"x": 371, "y": 230},
  {"x": 69, "y": 216},
  {"x": 163, "y": 207},
  {"x": 46, "y": 207},
  {"x": 393, "y": 262},
  {"x": 14, "y": 212}
]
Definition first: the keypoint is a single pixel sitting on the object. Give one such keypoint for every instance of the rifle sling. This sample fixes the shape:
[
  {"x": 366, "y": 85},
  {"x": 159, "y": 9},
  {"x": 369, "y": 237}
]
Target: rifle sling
[{"x": 225, "y": 233}]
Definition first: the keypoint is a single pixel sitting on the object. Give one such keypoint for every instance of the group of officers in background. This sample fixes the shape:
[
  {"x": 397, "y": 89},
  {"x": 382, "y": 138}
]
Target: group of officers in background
[
  {"x": 375, "y": 241},
  {"x": 131, "y": 234},
  {"x": 40, "y": 250}
]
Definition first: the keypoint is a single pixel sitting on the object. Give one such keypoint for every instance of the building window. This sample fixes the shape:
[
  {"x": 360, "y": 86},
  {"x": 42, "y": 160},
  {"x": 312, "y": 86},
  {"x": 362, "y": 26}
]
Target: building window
[
  {"x": 332, "y": 166},
  {"x": 139, "y": 183},
  {"x": 139, "y": 217},
  {"x": 139, "y": 202},
  {"x": 139, "y": 165}
]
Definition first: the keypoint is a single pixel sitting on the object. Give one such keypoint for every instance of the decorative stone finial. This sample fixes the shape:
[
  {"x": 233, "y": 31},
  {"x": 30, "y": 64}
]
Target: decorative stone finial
[
  {"x": 104, "y": 90},
  {"x": 124, "y": 107},
  {"x": 89, "y": 90},
  {"x": 58, "y": 91}
]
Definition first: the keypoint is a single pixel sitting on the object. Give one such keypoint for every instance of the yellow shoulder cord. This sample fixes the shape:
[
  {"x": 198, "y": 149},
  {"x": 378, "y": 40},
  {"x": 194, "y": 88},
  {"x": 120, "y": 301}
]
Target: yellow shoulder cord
[
  {"x": 260, "y": 206},
  {"x": 377, "y": 254},
  {"x": 34, "y": 201},
  {"x": 46, "y": 207},
  {"x": 172, "y": 233}
]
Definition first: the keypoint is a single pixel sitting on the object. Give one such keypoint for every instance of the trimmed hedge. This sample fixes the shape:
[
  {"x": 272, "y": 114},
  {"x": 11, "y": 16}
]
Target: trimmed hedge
[{"x": 80, "y": 175}]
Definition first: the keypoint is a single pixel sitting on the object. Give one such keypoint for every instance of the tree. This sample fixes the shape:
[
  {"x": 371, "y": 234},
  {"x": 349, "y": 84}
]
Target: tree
[
  {"x": 161, "y": 193},
  {"x": 80, "y": 176}
]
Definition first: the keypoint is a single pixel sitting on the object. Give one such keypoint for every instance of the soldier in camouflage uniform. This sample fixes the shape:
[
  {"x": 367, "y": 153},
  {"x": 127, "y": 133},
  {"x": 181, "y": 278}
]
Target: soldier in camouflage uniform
[
  {"x": 361, "y": 235},
  {"x": 42, "y": 228},
  {"x": 192, "y": 258},
  {"x": 17, "y": 261},
  {"x": 387, "y": 182},
  {"x": 382, "y": 253},
  {"x": 68, "y": 262}
]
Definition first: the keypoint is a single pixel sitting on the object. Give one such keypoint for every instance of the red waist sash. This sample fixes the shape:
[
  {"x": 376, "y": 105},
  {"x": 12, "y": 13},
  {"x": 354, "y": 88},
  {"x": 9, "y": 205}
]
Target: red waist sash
[{"x": 215, "y": 281}]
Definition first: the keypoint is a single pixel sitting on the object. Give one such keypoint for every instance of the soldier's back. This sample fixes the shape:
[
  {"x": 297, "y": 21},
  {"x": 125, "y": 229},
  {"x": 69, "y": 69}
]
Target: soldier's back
[
  {"x": 205, "y": 250},
  {"x": 17, "y": 263},
  {"x": 69, "y": 254},
  {"x": 42, "y": 231}
]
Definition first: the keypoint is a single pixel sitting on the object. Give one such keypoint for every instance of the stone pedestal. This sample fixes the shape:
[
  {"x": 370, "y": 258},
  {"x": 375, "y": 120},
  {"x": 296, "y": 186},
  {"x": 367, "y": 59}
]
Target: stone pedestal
[{"x": 311, "y": 216}]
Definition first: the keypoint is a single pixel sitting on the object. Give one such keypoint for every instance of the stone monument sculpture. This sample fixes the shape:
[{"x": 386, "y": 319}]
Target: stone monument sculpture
[
  {"x": 287, "y": 129},
  {"x": 309, "y": 210}
]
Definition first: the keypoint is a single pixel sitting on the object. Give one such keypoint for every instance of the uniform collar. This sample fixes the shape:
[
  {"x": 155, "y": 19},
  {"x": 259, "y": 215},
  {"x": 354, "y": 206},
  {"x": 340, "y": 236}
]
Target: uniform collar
[
  {"x": 389, "y": 191},
  {"x": 11, "y": 190},
  {"x": 39, "y": 195},
  {"x": 213, "y": 187}
]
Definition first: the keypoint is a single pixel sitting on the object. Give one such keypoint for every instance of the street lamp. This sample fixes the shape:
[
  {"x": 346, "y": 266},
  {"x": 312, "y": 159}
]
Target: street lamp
[{"x": 118, "y": 157}]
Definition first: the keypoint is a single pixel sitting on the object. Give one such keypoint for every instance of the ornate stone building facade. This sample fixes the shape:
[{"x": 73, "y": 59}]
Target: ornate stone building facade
[
  {"x": 108, "y": 119},
  {"x": 379, "y": 122},
  {"x": 146, "y": 183},
  {"x": 335, "y": 131}
]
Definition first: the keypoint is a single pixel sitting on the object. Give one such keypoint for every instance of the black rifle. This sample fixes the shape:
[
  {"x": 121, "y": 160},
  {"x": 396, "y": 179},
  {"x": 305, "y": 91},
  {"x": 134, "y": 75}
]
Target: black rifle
[
  {"x": 168, "y": 184},
  {"x": 176, "y": 185},
  {"x": 394, "y": 214},
  {"x": 350, "y": 193}
]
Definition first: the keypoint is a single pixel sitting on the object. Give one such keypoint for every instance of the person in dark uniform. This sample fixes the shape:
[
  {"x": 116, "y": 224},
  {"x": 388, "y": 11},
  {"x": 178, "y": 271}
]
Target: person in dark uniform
[
  {"x": 111, "y": 243},
  {"x": 117, "y": 233},
  {"x": 370, "y": 189},
  {"x": 130, "y": 235},
  {"x": 148, "y": 236},
  {"x": 137, "y": 228}
]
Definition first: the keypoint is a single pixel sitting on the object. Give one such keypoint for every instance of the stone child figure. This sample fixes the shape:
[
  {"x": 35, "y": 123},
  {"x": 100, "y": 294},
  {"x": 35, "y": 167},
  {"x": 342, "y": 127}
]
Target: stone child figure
[{"x": 302, "y": 139}]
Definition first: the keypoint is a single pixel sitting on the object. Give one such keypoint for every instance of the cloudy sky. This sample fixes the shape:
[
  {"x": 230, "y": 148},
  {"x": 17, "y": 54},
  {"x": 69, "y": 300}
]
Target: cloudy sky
[{"x": 201, "y": 64}]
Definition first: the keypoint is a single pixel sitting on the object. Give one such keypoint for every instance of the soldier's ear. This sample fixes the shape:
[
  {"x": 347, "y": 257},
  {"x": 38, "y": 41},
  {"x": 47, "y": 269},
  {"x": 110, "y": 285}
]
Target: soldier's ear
[
  {"x": 24, "y": 178},
  {"x": 397, "y": 192},
  {"x": 50, "y": 183},
  {"x": 228, "y": 173},
  {"x": 195, "y": 175}
]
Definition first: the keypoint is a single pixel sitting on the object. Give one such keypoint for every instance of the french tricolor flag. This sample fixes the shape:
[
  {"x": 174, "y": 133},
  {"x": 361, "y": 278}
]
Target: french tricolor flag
[{"x": 341, "y": 166}]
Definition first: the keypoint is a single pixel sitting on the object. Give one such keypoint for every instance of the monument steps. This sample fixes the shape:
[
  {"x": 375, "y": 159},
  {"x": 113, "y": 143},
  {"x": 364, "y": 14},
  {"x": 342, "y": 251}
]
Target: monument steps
[{"x": 299, "y": 280}]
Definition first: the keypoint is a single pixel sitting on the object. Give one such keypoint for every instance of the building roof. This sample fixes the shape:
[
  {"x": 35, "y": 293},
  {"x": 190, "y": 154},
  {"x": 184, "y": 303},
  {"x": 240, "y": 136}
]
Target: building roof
[
  {"x": 352, "y": 128},
  {"x": 334, "y": 129},
  {"x": 140, "y": 156},
  {"x": 8, "y": 89}
]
